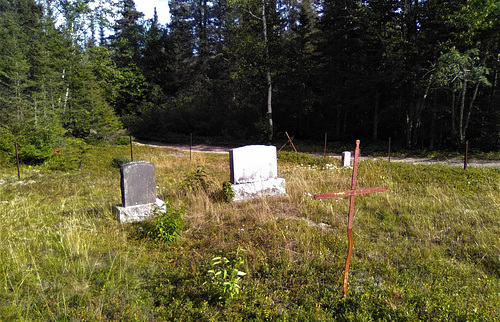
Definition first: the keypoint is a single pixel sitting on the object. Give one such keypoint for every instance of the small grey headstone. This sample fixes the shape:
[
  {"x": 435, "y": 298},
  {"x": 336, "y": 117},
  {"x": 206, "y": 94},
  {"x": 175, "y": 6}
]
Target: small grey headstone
[
  {"x": 138, "y": 183},
  {"x": 346, "y": 159},
  {"x": 138, "y": 186}
]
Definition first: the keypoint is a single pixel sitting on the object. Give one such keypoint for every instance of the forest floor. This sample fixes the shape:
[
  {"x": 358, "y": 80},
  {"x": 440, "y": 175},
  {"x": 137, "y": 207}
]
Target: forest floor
[{"x": 459, "y": 162}]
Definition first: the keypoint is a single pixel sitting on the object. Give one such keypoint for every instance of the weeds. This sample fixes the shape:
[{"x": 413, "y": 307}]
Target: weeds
[
  {"x": 226, "y": 276},
  {"x": 195, "y": 180},
  {"x": 227, "y": 191},
  {"x": 168, "y": 224}
]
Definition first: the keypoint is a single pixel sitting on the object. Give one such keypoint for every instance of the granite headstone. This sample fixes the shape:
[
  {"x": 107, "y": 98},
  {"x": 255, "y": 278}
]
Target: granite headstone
[
  {"x": 138, "y": 187},
  {"x": 138, "y": 183}
]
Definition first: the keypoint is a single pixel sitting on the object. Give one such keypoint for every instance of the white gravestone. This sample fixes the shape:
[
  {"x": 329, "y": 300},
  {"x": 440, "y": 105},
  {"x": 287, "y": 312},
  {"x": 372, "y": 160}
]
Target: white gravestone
[
  {"x": 138, "y": 186},
  {"x": 346, "y": 159},
  {"x": 254, "y": 172}
]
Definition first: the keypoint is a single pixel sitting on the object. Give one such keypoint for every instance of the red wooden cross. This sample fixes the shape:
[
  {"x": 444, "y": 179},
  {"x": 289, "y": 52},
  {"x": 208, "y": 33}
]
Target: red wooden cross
[{"x": 351, "y": 193}]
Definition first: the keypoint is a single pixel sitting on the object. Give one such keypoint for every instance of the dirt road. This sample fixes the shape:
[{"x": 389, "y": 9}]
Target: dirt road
[{"x": 458, "y": 162}]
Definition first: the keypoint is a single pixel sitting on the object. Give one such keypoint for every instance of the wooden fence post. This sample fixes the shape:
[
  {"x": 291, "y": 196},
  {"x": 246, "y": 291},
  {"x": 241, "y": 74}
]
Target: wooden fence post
[
  {"x": 131, "y": 150},
  {"x": 17, "y": 158}
]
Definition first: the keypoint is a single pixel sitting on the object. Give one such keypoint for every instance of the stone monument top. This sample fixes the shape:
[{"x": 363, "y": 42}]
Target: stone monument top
[
  {"x": 138, "y": 183},
  {"x": 253, "y": 163}
]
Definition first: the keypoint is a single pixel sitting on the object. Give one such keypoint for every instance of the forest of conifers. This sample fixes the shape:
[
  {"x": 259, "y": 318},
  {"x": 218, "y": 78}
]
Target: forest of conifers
[{"x": 424, "y": 72}]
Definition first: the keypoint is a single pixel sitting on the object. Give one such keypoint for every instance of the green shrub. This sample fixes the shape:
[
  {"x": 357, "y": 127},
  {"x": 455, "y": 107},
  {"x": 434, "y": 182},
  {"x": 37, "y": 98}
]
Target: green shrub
[
  {"x": 195, "y": 180},
  {"x": 119, "y": 160},
  {"x": 226, "y": 276},
  {"x": 30, "y": 154},
  {"x": 167, "y": 225},
  {"x": 227, "y": 191},
  {"x": 6, "y": 143},
  {"x": 122, "y": 140}
]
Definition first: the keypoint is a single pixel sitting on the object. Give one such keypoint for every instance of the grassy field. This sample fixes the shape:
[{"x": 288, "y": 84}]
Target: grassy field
[{"x": 427, "y": 249}]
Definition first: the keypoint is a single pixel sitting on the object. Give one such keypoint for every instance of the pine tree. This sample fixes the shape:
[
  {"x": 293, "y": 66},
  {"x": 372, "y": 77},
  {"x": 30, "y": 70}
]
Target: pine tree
[
  {"x": 20, "y": 107},
  {"x": 126, "y": 44}
]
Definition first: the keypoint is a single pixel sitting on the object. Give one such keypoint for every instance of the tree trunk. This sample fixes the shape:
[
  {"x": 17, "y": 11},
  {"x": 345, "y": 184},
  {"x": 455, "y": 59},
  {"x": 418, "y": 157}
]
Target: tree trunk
[{"x": 268, "y": 75}]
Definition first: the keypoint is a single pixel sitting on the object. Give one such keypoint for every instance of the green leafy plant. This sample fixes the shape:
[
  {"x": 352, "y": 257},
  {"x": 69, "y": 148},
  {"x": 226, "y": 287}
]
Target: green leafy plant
[
  {"x": 168, "y": 224},
  {"x": 227, "y": 191},
  {"x": 122, "y": 140},
  {"x": 226, "y": 276},
  {"x": 195, "y": 180}
]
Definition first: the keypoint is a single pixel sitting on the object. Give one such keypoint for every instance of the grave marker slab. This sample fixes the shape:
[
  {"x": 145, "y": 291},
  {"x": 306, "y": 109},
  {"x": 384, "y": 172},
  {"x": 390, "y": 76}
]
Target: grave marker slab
[
  {"x": 346, "y": 159},
  {"x": 254, "y": 172},
  {"x": 138, "y": 187},
  {"x": 138, "y": 183}
]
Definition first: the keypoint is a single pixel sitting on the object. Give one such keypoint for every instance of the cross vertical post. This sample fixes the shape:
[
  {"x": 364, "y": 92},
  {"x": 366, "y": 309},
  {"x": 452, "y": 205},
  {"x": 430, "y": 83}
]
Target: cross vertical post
[
  {"x": 351, "y": 216},
  {"x": 352, "y": 194}
]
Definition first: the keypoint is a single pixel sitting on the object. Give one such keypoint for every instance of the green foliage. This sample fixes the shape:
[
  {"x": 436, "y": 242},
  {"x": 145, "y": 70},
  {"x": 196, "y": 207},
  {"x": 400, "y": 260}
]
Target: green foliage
[
  {"x": 48, "y": 86},
  {"x": 90, "y": 116},
  {"x": 68, "y": 156},
  {"x": 122, "y": 140},
  {"x": 168, "y": 224},
  {"x": 454, "y": 68},
  {"x": 226, "y": 276},
  {"x": 7, "y": 142},
  {"x": 119, "y": 160},
  {"x": 37, "y": 143},
  {"x": 195, "y": 180},
  {"x": 227, "y": 191}
]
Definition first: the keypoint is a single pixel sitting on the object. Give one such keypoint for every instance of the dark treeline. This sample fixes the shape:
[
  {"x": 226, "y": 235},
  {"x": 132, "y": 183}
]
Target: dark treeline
[{"x": 422, "y": 72}]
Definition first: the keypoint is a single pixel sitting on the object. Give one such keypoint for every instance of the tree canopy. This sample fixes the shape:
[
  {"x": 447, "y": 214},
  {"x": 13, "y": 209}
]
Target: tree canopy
[{"x": 424, "y": 72}]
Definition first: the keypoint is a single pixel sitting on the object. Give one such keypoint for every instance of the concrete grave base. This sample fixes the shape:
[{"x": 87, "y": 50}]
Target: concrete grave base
[
  {"x": 137, "y": 213},
  {"x": 259, "y": 189}
]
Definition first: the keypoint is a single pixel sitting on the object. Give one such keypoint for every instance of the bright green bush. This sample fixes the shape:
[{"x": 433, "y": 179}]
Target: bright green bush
[
  {"x": 226, "y": 276},
  {"x": 167, "y": 225}
]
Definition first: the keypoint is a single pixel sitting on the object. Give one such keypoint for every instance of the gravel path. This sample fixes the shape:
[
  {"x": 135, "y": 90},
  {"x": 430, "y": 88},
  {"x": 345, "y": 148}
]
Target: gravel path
[{"x": 458, "y": 162}]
